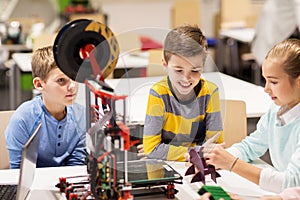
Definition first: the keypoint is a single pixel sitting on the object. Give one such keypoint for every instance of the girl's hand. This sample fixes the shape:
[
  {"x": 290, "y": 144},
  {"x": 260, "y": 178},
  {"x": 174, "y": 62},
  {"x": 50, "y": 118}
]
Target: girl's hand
[
  {"x": 215, "y": 154},
  {"x": 206, "y": 196}
]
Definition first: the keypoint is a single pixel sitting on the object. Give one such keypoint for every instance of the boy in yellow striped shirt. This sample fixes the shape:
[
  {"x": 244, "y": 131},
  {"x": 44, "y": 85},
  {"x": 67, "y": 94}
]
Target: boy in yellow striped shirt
[{"x": 183, "y": 109}]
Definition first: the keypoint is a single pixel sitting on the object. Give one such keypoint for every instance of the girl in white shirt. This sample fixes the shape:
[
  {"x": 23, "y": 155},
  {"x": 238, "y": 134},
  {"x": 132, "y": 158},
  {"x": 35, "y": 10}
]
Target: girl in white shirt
[{"x": 278, "y": 130}]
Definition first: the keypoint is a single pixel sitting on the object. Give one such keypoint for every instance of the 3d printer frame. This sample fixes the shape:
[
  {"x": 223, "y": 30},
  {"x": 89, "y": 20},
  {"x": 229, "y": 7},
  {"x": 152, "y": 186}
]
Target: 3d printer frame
[{"x": 87, "y": 51}]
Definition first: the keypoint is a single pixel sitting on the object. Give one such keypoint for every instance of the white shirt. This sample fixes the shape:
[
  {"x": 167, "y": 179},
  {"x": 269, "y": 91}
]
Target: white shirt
[{"x": 290, "y": 115}]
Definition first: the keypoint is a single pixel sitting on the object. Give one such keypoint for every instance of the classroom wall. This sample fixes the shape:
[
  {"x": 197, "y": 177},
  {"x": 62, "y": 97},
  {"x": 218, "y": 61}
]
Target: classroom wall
[{"x": 128, "y": 15}]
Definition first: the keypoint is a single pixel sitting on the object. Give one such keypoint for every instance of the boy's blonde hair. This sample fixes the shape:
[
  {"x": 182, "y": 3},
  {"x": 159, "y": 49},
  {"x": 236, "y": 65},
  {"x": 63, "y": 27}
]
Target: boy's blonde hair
[
  {"x": 288, "y": 52},
  {"x": 43, "y": 62},
  {"x": 185, "y": 40}
]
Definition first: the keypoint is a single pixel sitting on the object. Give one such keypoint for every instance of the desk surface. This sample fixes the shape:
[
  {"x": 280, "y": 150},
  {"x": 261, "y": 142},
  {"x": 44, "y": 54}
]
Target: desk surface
[
  {"x": 137, "y": 89},
  {"x": 46, "y": 179},
  {"x": 23, "y": 60},
  {"x": 15, "y": 47},
  {"x": 245, "y": 35},
  {"x": 229, "y": 181},
  {"x": 133, "y": 60}
]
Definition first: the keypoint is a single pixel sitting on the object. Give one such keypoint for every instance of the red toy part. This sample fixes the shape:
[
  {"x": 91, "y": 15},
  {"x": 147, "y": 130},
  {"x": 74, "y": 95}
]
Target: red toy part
[
  {"x": 171, "y": 191},
  {"x": 125, "y": 132},
  {"x": 73, "y": 196},
  {"x": 127, "y": 195},
  {"x": 69, "y": 190},
  {"x": 88, "y": 51},
  {"x": 63, "y": 184}
]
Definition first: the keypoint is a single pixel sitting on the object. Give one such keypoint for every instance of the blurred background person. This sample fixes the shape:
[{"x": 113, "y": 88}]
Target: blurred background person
[{"x": 279, "y": 20}]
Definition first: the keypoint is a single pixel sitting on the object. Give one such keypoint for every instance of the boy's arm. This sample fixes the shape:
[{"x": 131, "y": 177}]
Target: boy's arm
[
  {"x": 168, "y": 152},
  {"x": 78, "y": 155},
  {"x": 154, "y": 121},
  {"x": 16, "y": 135},
  {"x": 213, "y": 117}
]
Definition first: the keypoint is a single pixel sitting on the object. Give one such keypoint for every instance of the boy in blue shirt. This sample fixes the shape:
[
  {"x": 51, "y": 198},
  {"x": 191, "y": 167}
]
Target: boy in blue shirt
[{"x": 62, "y": 138}]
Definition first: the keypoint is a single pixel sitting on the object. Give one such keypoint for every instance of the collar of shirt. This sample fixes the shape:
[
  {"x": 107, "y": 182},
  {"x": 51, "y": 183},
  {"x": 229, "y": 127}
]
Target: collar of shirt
[{"x": 290, "y": 115}]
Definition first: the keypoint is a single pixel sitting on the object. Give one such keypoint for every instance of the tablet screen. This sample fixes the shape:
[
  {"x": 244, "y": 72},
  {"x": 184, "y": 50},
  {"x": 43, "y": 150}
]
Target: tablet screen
[{"x": 150, "y": 171}]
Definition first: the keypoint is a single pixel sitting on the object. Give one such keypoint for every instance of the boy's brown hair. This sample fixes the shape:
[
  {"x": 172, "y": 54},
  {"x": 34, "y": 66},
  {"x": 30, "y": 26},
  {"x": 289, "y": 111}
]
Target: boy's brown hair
[
  {"x": 42, "y": 62},
  {"x": 185, "y": 40}
]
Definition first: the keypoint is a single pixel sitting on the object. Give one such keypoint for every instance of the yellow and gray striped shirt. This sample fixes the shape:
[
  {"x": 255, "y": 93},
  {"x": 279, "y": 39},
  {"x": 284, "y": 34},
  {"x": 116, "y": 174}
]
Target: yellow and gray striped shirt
[{"x": 171, "y": 127}]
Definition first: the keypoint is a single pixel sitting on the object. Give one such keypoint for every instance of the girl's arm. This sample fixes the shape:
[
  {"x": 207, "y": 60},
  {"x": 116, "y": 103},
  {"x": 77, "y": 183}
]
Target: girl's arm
[{"x": 221, "y": 158}]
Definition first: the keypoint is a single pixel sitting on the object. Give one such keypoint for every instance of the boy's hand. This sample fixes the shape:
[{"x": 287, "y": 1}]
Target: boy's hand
[
  {"x": 187, "y": 157},
  {"x": 140, "y": 149}
]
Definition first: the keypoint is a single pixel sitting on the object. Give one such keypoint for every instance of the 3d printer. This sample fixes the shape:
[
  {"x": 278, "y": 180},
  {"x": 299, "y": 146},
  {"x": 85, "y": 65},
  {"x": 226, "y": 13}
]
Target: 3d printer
[{"x": 87, "y": 51}]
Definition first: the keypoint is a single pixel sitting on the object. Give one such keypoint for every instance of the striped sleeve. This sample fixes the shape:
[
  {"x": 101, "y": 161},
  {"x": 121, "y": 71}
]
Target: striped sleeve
[{"x": 213, "y": 114}]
